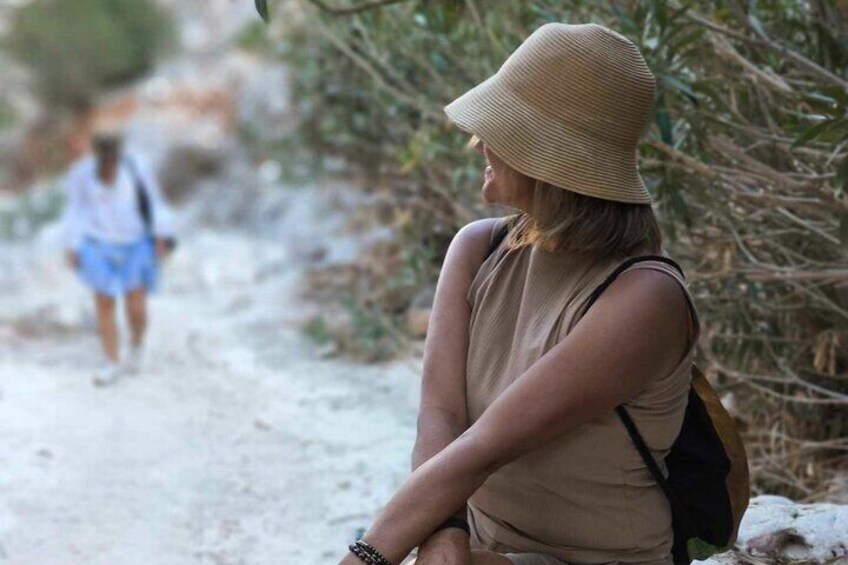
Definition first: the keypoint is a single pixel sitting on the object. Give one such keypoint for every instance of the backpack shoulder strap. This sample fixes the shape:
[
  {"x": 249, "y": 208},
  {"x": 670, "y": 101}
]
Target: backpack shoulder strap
[
  {"x": 497, "y": 239},
  {"x": 142, "y": 197},
  {"x": 645, "y": 452},
  {"x": 500, "y": 235},
  {"x": 133, "y": 169},
  {"x": 621, "y": 411},
  {"x": 623, "y": 267}
]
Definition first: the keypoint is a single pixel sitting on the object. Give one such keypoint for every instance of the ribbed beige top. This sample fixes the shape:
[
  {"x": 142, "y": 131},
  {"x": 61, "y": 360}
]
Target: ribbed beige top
[{"x": 587, "y": 497}]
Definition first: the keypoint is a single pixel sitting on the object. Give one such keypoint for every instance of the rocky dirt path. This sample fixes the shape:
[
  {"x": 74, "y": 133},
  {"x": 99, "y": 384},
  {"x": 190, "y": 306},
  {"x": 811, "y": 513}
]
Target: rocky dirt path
[{"x": 238, "y": 444}]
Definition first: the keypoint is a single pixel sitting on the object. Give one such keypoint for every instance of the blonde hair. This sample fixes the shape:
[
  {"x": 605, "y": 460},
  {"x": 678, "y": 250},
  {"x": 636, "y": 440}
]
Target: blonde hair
[{"x": 560, "y": 220}]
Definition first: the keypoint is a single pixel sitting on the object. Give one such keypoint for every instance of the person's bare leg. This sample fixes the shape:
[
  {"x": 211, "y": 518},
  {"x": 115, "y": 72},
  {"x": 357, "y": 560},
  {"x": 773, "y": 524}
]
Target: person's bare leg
[
  {"x": 107, "y": 325},
  {"x": 136, "y": 308}
]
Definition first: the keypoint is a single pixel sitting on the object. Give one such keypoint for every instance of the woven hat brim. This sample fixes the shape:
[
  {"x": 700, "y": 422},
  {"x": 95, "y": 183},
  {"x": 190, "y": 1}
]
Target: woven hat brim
[{"x": 542, "y": 147}]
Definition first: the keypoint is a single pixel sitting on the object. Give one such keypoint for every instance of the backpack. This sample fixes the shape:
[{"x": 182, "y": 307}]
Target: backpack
[{"x": 707, "y": 485}]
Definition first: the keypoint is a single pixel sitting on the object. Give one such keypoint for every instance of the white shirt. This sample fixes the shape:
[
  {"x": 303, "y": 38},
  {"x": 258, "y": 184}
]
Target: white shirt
[{"x": 110, "y": 212}]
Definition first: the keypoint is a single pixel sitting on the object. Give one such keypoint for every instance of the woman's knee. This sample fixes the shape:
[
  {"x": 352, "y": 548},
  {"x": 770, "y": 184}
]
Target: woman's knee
[
  {"x": 105, "y": 303},
  {"x": 136, "y": 304}
]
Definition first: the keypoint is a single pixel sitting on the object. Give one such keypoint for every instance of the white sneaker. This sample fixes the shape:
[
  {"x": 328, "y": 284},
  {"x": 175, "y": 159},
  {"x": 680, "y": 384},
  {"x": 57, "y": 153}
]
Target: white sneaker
[
  {"x": 134, "y": 360},
  {"x": 107, "y": 374}
]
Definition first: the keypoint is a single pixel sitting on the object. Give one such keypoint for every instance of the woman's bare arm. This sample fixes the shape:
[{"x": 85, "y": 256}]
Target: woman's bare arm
[
  {"x": 442, "y": 415},
  {"x": 636, "y": 331}
]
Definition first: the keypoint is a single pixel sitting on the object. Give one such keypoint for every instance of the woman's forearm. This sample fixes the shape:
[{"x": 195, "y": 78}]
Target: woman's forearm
[
  {"x": 434, "y": 492},
  {"x": 437, "y": 428}
]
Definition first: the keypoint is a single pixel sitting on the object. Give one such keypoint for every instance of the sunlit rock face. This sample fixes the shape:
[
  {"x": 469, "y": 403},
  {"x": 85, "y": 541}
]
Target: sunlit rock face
[{"x": 777, "y": 530}]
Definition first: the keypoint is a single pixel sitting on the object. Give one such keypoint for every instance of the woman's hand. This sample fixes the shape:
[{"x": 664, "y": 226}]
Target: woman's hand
[
  {"x": 162, "y": 250},
  {"x": 445, "y": 547}
]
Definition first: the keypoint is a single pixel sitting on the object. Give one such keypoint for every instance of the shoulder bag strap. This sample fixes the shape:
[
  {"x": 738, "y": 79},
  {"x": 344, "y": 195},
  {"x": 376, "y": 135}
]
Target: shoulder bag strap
[{"x": 142, "y": 197}]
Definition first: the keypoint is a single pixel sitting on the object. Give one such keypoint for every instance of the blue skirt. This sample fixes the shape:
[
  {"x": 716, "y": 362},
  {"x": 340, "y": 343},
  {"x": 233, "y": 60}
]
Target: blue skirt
[{"x": 116, "y": 269}]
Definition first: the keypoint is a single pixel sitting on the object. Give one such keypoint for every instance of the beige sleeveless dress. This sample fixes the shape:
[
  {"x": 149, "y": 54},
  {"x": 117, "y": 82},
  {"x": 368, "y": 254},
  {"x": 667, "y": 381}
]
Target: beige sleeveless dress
[{"x": 587, "y": 497}]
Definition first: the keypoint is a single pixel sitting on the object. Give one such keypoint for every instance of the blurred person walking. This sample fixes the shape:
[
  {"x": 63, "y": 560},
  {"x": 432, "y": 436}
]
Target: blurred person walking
[{"x": 116, "y": 234}]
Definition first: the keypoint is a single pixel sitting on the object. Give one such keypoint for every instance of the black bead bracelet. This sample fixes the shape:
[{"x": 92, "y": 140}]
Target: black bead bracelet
[
  {"x": 367, "y": 553},
  {"x": 361, "y": 554}
]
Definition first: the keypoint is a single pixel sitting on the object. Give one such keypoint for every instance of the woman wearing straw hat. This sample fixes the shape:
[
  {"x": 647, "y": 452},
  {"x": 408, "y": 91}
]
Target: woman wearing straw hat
[{"x": 520, "y": 456}]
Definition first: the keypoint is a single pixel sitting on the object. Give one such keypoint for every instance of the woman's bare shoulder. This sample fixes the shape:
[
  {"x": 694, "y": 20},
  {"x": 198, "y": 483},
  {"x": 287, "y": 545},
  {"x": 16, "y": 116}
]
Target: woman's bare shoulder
[
  {"x": 473, "y": 240},
  {"x": 660, "y": 298}
]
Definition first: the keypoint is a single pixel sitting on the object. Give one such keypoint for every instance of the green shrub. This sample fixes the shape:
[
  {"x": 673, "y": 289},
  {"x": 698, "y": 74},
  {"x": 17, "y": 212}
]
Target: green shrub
[
  {"x": 76, "y": 47},
  {"x": 316, "y": 329}
]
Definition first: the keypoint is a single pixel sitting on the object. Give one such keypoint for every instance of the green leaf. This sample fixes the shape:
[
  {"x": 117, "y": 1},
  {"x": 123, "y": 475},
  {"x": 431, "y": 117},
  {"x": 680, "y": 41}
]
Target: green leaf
[
  {"x": 677, "y": 43},
  {"x": 836, "y": 92},
  {"x": 664, "y": 123},
  {"x": 819, "y": 98},
  {"x": 843, "y": 229},
  {"x": 262, "y": 8},
  {"x": 700, "y": 549},
  {"x": 625, "y": 22},
  {"x": 811, "y": 133},
  {"x": 756, "y": 24},
  {"x": 842, "y": 174},
  {"x": 678, "y": 205},
  {"x": 678, "y": 85},
  {"x": 661, "y": 15}
]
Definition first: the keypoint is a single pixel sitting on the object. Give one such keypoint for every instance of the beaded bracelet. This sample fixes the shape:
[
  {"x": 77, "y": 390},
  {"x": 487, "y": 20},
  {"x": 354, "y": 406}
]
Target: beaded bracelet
[
  {"x": 367, "y": 553},
  {"x": 361, "y": 554}
]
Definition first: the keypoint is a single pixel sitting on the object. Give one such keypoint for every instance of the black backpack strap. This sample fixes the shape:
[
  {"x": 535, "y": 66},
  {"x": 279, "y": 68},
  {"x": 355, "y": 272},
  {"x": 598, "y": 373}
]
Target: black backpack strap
[
  {"x": 679, "y": 515},
  {"x": 620, "y": 410},
  {"x": 637, "y": 439},
  {"x": 621, "y": 268},
  {"x": 142, "y": 197},
  {"x": 643, "y": 450},
  {"x": 498, "y": 239}
]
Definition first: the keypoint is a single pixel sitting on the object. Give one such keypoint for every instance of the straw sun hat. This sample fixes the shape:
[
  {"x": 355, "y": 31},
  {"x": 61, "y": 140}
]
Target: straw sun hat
[{"x": 567, "y": 107}]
